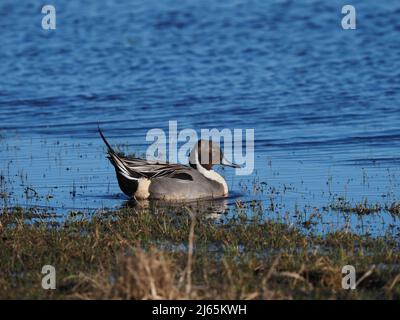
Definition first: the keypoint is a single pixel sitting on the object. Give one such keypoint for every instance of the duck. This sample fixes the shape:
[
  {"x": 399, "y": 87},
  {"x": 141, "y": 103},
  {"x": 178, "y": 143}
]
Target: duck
[{"x": 143, "y": 179}]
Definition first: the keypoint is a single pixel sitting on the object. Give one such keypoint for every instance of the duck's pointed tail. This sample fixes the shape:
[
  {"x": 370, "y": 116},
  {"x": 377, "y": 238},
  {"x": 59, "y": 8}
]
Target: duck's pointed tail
[
  {"x": 116, "y": 160},
  {"x": 110, "y": 149}
]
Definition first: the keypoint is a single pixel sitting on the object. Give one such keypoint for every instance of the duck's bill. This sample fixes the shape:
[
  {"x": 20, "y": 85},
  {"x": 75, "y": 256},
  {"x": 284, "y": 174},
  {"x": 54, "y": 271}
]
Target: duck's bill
[{"x": 227, "y": 163}]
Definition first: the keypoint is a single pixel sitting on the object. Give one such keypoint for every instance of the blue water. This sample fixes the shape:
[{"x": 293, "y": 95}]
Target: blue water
[{"x": 324, "y": 102}]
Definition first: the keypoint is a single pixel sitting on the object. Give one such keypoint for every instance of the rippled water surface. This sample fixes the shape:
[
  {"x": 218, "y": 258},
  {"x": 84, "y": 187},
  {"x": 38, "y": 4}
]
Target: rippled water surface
[{"x": 324, "y": 102}]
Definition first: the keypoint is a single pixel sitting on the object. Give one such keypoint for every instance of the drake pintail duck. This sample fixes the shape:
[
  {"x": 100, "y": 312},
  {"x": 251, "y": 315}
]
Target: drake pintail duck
[{"x": 142, "y": 179}]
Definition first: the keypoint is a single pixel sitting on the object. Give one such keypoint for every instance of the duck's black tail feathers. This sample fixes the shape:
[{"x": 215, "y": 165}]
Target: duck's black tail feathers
[
  {"x": 110, "y": 149},
  {"x": 117, "y": 161}
]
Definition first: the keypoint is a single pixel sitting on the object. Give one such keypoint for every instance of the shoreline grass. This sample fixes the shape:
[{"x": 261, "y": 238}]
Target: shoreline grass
[{"x": 134, "y": 253}]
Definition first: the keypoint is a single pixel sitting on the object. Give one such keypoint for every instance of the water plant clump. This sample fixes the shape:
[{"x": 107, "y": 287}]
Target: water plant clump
[
  {"x": 361, "y": 208},
  {"x": 394, "y": 208}
]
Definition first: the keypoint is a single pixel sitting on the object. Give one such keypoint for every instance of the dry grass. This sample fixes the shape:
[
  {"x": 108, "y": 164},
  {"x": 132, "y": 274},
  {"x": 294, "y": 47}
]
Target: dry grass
[{"x": 140, "y": 275}]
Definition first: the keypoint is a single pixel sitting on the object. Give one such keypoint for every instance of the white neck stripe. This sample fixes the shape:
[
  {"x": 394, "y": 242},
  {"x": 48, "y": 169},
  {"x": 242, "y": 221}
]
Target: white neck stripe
[{"x": 209, "y": 174}]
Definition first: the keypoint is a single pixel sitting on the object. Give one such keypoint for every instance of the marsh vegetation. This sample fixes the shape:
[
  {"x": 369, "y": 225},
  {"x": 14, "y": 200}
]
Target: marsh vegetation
[{"x": 161, "y": 252}]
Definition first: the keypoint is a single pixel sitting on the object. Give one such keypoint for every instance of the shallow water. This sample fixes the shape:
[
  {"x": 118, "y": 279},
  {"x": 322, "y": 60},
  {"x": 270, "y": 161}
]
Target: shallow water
[{"x": 324, "y": 102}]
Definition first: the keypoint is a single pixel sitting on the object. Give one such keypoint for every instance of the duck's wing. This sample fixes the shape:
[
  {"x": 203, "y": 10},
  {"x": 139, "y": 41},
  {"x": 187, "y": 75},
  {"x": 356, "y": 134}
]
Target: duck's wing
[
  {"x": 155, "y": 169},
  {"x": 136, "y": 168}
]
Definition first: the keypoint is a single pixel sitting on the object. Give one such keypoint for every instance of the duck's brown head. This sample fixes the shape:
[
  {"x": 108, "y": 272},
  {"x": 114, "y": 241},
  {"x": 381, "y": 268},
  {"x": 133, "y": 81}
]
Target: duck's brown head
[{"x": 208, "y": 153}]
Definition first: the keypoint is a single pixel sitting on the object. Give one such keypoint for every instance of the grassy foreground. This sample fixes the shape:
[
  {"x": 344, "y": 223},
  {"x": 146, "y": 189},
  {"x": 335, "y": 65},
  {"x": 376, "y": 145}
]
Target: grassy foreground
[{"x": 170, "y": 253}]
